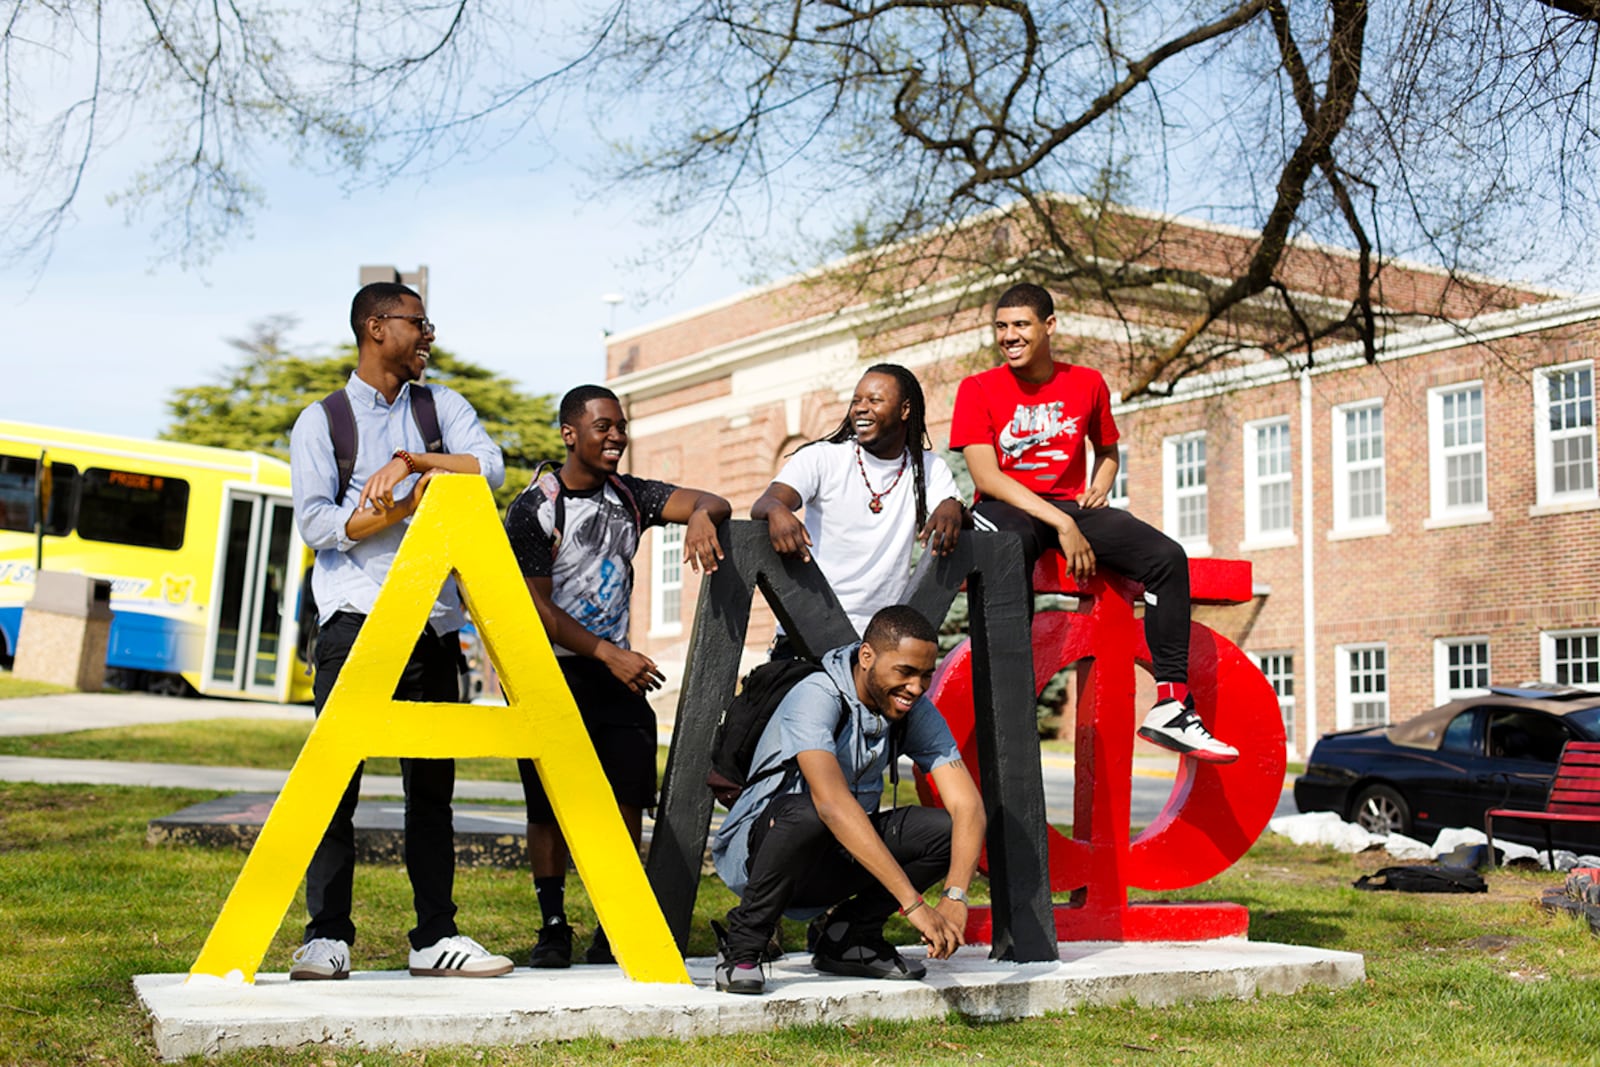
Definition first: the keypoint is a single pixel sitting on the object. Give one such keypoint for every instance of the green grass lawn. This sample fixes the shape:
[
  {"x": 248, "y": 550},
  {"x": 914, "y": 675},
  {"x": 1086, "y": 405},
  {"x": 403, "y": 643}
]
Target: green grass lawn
[
  {"x": 263, "y": 743},
  {"x": 12, "y": 686},
  {"x": 1487, "y": 979}
]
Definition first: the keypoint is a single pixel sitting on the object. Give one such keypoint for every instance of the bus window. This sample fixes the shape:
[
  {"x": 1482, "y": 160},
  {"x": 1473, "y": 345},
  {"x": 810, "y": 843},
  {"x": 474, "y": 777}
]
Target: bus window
[
  {"x": 128, "y": 508},
  {"x": 17, "y": 475}
]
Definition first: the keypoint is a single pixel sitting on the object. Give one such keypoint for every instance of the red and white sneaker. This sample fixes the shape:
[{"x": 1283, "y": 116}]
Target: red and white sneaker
[{"x": 1176, "y": 726}]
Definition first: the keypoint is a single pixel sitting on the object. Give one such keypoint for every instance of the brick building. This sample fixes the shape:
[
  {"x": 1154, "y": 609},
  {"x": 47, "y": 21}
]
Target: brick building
[{"x": 1418, "y": 526}]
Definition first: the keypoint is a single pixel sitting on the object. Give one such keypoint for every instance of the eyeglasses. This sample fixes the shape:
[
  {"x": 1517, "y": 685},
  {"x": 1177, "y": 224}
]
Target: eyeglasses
[{"x": 421, "y": 322}]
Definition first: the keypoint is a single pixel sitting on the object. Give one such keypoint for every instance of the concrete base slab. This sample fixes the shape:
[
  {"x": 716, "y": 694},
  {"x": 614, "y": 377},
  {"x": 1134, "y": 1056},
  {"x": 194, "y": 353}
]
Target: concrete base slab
[{"x": 390, "y": 1009}]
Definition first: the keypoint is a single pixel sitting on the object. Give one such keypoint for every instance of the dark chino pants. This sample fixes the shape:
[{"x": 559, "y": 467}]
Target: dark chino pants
[
  {"x": 795, "y": 861},
  {"x": 1132, "y": 548},
  {"x": 431, "y": 675}
]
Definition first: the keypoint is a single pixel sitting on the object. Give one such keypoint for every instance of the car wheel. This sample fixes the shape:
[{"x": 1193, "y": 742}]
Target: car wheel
[{"x": 1382, "y": 810}]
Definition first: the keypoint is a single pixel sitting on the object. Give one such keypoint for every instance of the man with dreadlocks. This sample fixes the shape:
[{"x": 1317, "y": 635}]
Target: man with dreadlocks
[{"x": 861, "y": 516}]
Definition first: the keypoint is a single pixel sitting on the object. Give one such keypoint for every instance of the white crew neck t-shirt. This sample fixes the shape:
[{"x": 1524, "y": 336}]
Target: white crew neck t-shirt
[{"x": 865, "y": 556}]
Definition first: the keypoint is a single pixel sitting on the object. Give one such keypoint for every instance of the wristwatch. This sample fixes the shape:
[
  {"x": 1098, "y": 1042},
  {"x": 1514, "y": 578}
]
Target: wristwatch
[{"x": 955, "y": 893}]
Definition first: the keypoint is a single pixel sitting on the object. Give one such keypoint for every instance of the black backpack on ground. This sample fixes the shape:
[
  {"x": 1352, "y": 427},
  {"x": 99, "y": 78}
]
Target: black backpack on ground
[
  {"x": 1424, "y": 880},
  {"x": 342, "y": 429}
]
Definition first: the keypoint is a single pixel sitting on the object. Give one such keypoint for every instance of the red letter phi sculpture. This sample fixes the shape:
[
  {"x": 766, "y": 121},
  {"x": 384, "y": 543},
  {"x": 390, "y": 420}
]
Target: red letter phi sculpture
[{"x": 1215, "y": 813}]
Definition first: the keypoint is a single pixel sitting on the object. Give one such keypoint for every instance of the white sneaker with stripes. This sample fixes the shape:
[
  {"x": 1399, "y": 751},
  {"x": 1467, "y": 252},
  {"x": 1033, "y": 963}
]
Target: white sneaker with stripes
[
  {"x": 458, "y": 957},
  {"x": 320, "y": 959}
]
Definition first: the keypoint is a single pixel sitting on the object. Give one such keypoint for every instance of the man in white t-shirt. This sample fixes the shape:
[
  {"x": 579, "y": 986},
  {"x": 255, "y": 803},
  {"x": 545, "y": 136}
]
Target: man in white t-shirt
[{"x": 870, "y": 489}]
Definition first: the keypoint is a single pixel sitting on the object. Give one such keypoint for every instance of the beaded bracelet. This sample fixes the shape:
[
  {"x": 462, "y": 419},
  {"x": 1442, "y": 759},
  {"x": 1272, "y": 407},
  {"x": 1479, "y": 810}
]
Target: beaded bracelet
[{"x": 402, "y": 454}]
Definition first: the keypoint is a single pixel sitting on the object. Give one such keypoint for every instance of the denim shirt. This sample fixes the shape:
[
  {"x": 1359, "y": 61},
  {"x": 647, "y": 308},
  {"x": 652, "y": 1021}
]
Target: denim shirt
[{"x": 348, "y": 574}]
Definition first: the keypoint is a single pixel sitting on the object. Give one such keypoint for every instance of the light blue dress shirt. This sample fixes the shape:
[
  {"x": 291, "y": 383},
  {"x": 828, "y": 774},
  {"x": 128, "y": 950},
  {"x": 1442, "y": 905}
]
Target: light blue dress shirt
[{"x": 348, "y": 574}]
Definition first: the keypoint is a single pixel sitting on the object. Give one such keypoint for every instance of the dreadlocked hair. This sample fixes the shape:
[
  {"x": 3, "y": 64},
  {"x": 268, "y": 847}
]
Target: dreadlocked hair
[{"x": 917, "y": 438}]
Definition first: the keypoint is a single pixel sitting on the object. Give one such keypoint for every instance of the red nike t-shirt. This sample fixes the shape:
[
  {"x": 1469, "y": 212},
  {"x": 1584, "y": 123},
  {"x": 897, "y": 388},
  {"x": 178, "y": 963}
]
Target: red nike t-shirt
[{"x": 1037, "y": 430}]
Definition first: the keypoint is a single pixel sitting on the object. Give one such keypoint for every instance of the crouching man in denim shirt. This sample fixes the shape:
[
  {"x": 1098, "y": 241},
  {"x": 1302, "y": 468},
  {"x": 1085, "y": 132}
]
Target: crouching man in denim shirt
[{"x": 810, "y": 838}]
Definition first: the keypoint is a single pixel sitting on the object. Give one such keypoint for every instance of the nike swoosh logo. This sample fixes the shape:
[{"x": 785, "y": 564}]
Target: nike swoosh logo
[{"x": 1013, "y": 445}]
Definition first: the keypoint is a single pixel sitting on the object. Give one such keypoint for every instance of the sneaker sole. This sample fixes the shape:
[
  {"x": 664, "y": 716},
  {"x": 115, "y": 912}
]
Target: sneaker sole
[
  {"x": 1161, "y": 740},
  {"x": 549, "y": 965},
  {"x": 846, "y": 969},
  {"x": 314, "y": 976},
  {"x": 744, "y": 989},
  {"x": 441, "y": 972}
]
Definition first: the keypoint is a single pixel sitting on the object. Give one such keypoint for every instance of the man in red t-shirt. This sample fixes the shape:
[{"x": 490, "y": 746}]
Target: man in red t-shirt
[{"x": 1022, "y": 428}]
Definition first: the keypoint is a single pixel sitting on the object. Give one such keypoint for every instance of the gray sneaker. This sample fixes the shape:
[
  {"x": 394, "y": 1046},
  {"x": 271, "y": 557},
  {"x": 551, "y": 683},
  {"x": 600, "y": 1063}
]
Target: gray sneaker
[
  {"x": 320, "y": 959},
  {"x": 862, "y": 954}
]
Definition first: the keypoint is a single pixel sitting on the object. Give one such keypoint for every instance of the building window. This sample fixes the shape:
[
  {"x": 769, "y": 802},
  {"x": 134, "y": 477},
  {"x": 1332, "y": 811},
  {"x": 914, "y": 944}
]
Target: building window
[
  {"x": 1456, "y": 451},
  {"x": 1185, "y": 503},
  {"x": 1358, "y": 498},
  {"x": 1268, "y": 482},
  {"x": 1363, "y": 685},
  {"x": 1279, "y": 669},
  {"x": 1564, "y": 428},
  {"x": 1118, "y": 497},
  {"x": 1570, "y": 657},
  {"x": 666, "y": 570},
  {"x": 1460, "y": 667}
]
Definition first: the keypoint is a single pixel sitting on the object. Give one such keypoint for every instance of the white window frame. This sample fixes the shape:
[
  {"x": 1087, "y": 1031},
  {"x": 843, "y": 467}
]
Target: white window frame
[
  {"x": 1255, "y": 484},
  {"x": 1344, "y": 469},
  {"x": 1348, "y": 696},
  {"x": 1175, "y": 496},
  {"x": 666, "y": 578},
  {"x": 1118, "y": 497},
  {"x": 1549, "y": 645},
  {"x": 1280, "y": 679},
  {"x": 1546, "y": 438},
  {"x": 1442, "y": 647},
  {"x": 1442, "y": 452}
]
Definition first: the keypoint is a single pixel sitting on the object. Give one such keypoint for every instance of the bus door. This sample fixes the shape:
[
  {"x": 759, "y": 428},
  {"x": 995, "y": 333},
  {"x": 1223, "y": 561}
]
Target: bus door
[{"x": 252, "y": 644}]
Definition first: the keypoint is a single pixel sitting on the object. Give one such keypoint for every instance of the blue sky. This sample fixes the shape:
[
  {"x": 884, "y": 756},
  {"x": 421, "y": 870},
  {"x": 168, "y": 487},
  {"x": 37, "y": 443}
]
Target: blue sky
[{"x": 518, "y": 258}]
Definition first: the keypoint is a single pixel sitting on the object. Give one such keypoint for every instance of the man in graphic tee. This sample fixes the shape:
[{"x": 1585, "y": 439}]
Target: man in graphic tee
[
  {"x": 1025, "y": 429},
  {"x": 574, "y": 532}
]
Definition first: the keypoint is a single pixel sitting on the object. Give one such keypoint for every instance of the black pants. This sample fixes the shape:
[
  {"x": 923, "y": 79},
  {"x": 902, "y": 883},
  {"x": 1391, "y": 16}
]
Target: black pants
[
  {"x": 432, "y": 675},
  {"x": 795, "y": 861},
  {"x": 1131, "y": 547}
]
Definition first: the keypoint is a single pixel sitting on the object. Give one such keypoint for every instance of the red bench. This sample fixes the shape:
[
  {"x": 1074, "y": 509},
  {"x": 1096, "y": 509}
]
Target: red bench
[{"x": 1574, "y": 796}]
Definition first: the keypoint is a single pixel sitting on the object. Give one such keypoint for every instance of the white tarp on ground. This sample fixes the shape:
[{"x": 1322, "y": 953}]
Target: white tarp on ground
[{"x": 1326, "y": 828}]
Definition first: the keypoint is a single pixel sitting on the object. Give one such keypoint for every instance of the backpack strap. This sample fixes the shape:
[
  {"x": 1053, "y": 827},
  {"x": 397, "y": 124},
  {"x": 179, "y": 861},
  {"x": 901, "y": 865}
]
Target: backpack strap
[
  {"x": 426, "y": 416},
  {"x": 633, "y": 504},
  {"x": 342, "y": 429},
  {"x": 548, "y": 478}
]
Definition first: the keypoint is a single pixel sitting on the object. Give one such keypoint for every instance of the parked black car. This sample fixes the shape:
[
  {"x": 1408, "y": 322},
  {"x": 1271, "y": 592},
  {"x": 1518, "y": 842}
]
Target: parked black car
[{"x": 1447, "y": 766}]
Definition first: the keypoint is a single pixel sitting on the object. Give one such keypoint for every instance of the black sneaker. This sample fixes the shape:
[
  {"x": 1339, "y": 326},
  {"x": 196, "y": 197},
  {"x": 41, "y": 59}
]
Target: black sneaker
[
  {"x": 555, "y": 945},
  {"x": 862, "y": 954},
  {"x": 599, "y": 950},
  {"x": 735, "y": 976}
]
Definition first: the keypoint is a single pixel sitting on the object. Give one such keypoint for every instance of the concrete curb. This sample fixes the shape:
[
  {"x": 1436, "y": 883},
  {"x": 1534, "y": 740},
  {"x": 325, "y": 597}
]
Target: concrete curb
[{"x": 391, "y": 1009}]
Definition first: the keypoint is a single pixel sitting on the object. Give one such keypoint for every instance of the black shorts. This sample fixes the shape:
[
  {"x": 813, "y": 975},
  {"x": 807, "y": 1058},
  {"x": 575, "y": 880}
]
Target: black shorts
[{"x": 622, "y": 727}]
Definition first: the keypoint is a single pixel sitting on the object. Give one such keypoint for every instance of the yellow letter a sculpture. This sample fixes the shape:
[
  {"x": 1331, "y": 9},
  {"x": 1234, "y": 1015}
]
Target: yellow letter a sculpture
[{"x": 455, "y": 529}]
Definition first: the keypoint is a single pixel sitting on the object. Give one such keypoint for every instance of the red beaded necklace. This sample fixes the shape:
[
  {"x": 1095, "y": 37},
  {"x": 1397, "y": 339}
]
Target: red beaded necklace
[{"x": 876, "y": 503}]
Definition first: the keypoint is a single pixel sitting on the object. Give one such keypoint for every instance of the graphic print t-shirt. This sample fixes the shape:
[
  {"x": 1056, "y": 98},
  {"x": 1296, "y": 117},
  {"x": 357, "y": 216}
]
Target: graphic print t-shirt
[
  {"x": 1037, "y": 430},
  {"x": 592, "y": 575}
]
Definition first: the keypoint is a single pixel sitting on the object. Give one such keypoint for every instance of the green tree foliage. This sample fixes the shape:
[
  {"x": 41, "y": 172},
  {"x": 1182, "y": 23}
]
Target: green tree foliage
[{"x": 254, "y": 406}]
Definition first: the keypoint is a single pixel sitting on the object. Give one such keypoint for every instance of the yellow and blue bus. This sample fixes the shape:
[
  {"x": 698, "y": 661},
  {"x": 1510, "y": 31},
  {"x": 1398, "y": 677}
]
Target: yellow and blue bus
[{"x": 199, "y": 545}]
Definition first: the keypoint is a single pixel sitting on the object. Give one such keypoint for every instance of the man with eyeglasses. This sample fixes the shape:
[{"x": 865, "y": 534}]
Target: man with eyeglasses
[{"x": 354, "y": 520}]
